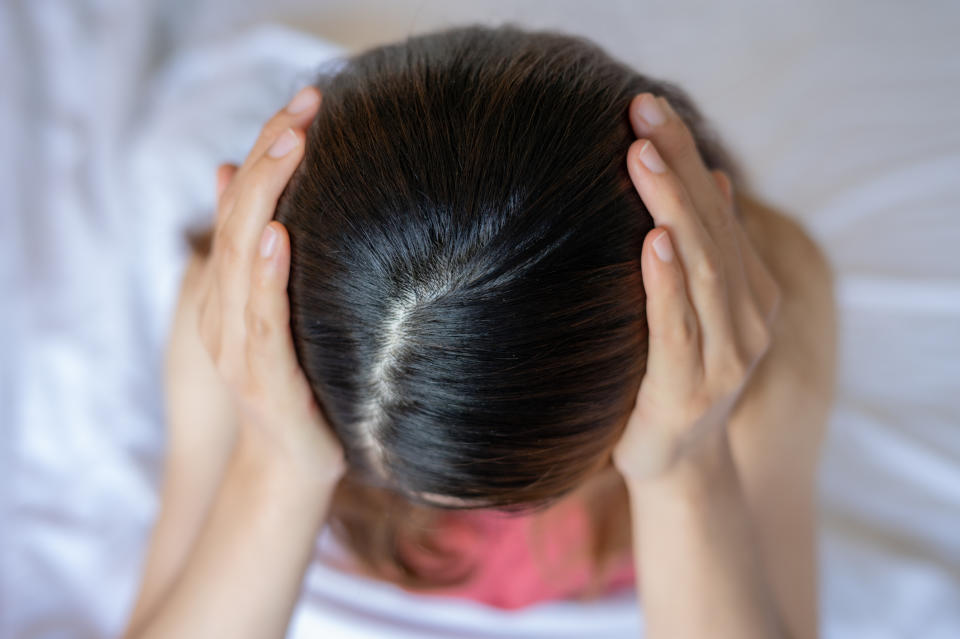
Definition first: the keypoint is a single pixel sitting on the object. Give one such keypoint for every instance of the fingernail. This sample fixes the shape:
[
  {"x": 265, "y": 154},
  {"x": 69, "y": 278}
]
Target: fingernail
[
  {"x": 268, "y": 241},
  {"x": 663, "y": 248},
  {"x": 651, "y": 159},
  {"x": 650, "y": 111},
  {"x": 303, "y": 100},
  {"x": 284, "y": 144}
]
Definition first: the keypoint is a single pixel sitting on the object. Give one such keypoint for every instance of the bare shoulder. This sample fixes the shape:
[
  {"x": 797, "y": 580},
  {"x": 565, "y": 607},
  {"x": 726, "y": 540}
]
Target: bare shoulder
[{"x": 789, "y": 250}]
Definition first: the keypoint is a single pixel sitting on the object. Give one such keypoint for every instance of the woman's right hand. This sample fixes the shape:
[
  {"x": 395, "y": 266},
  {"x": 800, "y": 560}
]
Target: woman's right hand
[
  {"x": 711, "y": 301},
  {"x": 244, "y": 317}
]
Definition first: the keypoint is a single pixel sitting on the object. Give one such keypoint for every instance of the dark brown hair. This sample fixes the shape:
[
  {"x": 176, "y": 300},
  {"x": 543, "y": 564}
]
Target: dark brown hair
[{"x": 465, "y": 286}]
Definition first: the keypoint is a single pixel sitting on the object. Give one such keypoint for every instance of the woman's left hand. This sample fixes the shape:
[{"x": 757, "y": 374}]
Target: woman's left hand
[
  {"x": 244, "y": 318},
  {"x": 711, "y": 301}
]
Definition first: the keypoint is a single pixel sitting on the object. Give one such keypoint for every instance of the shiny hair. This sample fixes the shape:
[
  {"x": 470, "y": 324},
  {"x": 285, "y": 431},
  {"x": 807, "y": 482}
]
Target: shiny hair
[{"x": 466, "y": 295}]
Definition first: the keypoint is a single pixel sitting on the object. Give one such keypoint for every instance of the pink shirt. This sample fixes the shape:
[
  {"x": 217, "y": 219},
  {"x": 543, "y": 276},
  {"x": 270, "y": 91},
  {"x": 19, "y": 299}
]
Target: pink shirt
[{"x": 523, "y": 560}]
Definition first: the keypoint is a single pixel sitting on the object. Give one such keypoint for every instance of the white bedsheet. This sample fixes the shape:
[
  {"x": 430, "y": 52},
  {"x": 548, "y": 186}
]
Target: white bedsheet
[{"x": 113, "y": 116}]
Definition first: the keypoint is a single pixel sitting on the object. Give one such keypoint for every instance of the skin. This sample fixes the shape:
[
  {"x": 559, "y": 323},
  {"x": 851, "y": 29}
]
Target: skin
[
  {"x": 721, "y": 491},
  {"x": 281, "y": 463},
  {"x": 722, "y": 509}
]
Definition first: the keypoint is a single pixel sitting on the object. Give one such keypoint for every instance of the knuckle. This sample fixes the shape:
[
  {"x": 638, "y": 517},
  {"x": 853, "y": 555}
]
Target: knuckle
[
  {"x": 697, "y": 406},
  {"x": 725, "y": 186},
  {"x": 731, "y": 374},
  {"x": 262, "y": 183},
  {"x": 259, "y": 328},
  {"x": 721, "y": 228},
  {"x": 230, "y": 253},
  {"x": 676, "y": 197},
  {"x": 273, "y": 128},
  {"x": 709, "y": 268},
  {"x": 672, "y": 200},
  {"x": 262, "y": 180},
  {"x": 684, "y": 332},
  {"x": 761, "y": 333},
  {"x": 681, "y": 139},
  {"x": 738, "y": 368},
  {"x": 723, "y": 220},
  {"x": 776, "y": 299}
]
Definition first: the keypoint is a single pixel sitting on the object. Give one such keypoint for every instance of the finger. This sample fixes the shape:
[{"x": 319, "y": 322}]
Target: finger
[
  {"x": 673, "y": 353},
  {"x": 257, "y": 195},
  {"x": 674, "y": 361},
  {"x": 765, "y": 290},
  {"x": 271, "y": 358},
  {"x": 298, "y": 113},
  {"x": 668, "y": 203},
  {"x": 724, "y": 184},
  {"x": 653, "y": 118},
  {"x": 656, "y": 117},
  {"x": 745, "y": 299},
  {"x": 225, "y": 173}
]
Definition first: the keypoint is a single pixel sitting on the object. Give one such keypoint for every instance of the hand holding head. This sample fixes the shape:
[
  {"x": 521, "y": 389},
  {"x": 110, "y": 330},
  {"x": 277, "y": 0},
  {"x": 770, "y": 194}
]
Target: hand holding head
[
  {"x": 711, "y": 301},
  {"x": 245, "y": 313}
]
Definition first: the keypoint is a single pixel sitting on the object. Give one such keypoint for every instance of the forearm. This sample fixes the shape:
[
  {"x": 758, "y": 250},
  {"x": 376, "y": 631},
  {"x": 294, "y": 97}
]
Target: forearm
[
  {"x": 243, "y": 575},
  {"x": 696, "y": 553}
]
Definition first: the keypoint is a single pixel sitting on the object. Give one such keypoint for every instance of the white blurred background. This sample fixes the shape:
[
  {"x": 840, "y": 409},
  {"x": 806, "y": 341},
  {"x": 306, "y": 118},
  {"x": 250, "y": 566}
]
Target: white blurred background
[{"x": 114, "y": 114}]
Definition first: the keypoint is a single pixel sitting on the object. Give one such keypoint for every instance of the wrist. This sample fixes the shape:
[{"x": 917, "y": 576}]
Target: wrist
[
  {"x": 277, "y": 476},
  {"x": 706, "y": 472}
]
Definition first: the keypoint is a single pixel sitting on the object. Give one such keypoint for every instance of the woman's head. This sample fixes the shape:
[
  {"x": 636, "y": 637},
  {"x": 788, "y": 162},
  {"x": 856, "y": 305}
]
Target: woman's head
[{"x": 465, "y": 287}]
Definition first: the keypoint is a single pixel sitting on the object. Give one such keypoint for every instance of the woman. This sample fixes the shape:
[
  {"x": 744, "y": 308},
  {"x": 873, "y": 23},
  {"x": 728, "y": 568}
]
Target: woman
[{"x": 463, "y": 308}]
